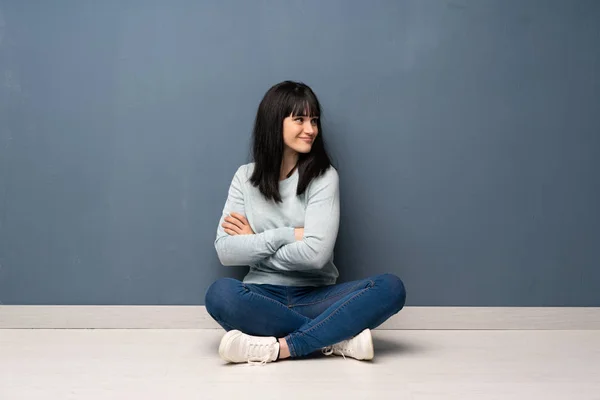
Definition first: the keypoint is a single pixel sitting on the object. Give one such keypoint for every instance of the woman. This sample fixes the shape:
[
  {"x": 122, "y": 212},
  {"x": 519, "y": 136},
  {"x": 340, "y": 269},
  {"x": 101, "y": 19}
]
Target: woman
[{"x": 281, "y": 218}]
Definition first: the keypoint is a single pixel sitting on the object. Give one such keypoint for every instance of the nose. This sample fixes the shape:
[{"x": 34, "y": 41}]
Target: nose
[{"x": 309, "y": 128}]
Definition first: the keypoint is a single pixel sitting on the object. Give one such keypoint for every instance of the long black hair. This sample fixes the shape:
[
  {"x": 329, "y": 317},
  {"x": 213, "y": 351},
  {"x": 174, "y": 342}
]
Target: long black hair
[{"x": 283, "y": 100}]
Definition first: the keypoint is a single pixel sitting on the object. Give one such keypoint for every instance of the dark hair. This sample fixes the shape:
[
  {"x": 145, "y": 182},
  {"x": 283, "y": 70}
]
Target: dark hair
[{"x": 282, "y": 100}]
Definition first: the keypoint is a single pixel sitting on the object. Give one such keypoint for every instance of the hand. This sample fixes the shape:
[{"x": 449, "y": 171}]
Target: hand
[
  {"x": 299, "y": 232},
  {"x": 237, "y": 224}
]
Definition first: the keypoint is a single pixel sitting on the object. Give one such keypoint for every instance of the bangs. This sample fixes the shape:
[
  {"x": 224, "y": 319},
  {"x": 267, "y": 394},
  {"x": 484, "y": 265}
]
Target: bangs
[{"x": 305, "y": 105}]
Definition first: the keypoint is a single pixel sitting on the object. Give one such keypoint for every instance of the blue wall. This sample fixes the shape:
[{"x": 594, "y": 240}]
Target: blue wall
[{"x": 466, "y": 133}]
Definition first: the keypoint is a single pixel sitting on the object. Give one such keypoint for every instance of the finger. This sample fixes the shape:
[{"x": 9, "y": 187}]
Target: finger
[
  {"x": 230, "y": 232},
  {"x": 235, "y": 221},
  {"x": 231, "y": 227},
  {"x": 240, "y": 217},
  {"x": 236, "y": 217}
]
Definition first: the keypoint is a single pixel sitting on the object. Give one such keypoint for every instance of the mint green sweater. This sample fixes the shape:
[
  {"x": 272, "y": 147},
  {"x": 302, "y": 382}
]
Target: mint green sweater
[{"x": 273, "y": 254}]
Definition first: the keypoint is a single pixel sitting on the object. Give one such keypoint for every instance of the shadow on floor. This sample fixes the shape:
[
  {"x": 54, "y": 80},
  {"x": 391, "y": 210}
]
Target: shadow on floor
[{"x": 399, "y": 346}]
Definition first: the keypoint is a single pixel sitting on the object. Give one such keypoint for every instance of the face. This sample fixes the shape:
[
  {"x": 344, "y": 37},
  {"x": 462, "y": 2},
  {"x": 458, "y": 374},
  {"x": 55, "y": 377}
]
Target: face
[{"x": 300, "y": 132}]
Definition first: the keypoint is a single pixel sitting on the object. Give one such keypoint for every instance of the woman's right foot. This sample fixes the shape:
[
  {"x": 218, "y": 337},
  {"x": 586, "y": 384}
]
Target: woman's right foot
[
  {"x": 359, "y": 347},
  {"x": 237, "y": 347}
]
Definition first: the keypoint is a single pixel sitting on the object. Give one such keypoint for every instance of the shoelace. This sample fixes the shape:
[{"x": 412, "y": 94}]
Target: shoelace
[
  {"x": 255, "y": 350},
  {"x": 329, "y": 351}
]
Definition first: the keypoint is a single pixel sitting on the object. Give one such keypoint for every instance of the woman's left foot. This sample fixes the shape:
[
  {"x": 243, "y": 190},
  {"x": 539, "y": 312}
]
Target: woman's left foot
[
  {"x": 359, "y": 347},
  {"x": 237, "y": 347}
]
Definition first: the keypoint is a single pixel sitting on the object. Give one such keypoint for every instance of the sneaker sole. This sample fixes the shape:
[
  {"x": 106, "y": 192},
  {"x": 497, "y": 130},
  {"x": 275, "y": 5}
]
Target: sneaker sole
[{"x": 224, "y": 345}]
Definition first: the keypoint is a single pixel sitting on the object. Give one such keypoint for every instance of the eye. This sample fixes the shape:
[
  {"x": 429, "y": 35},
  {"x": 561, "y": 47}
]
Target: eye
[
  {"x": 314, "y": 121},
  {"x": 298, "y": 119}
]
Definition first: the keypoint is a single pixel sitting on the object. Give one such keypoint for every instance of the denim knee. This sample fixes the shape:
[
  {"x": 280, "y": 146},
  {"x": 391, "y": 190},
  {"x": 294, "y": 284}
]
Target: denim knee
[
  {"x": 395, "y": 289},
  {"x": 219, "y": 294}
]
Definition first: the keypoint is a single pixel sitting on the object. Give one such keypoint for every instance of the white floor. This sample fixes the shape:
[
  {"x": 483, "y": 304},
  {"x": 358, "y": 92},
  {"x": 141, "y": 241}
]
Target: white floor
[{"x": 183, "y": 364}]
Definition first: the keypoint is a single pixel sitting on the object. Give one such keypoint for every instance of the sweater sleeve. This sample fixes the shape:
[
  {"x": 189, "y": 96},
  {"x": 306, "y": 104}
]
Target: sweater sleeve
[
  {"x": 246, "y": 249},
  {"x": 321, "y": 226}
]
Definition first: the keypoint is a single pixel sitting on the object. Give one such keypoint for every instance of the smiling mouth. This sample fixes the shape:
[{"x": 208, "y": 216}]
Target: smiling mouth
[{"x": 308, "y": 140}]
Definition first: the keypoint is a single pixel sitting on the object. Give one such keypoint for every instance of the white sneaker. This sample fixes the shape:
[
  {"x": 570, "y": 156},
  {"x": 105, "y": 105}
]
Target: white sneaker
[
  {"x": 237, "y": 347},
  {"x": 359, "y": 347}
]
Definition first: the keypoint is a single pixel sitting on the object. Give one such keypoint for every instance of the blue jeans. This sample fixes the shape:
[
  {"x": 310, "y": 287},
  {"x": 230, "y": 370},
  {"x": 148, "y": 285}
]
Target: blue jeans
[{"x": 309, "y": 318}]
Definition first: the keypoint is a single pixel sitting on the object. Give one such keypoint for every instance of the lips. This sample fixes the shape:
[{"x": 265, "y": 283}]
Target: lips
[{"x": 307, "y": 140}]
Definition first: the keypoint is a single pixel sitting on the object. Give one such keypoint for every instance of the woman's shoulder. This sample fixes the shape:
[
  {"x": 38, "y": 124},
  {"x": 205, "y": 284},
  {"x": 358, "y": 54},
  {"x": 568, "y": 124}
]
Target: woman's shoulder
[
  {"x": 330, "y": 175},
  {"x": 329, "y": 178},
  {"x": 243, "y": 173},
  {"x": 245, "y": 170}
]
